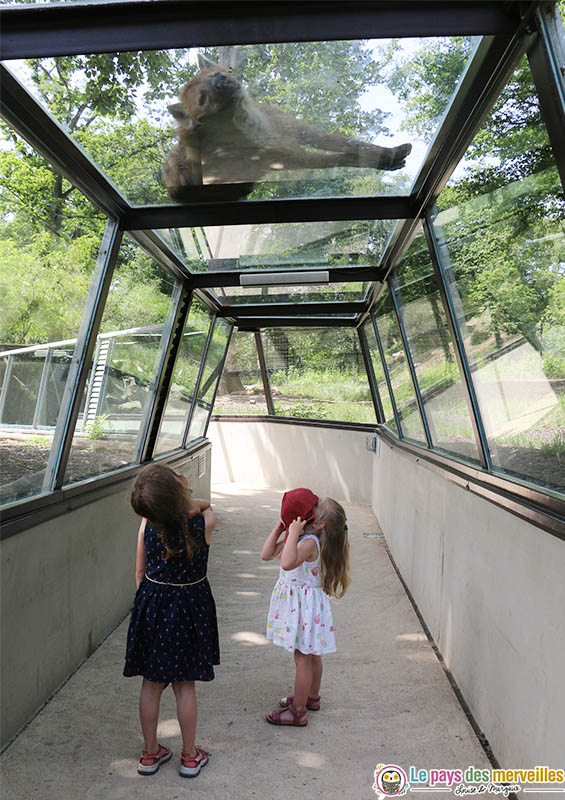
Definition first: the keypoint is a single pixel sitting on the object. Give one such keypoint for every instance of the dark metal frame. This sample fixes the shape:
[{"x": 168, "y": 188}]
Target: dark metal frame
[
  {"x": 509, "y": 27},
  {"x": 373, "y": 386}
]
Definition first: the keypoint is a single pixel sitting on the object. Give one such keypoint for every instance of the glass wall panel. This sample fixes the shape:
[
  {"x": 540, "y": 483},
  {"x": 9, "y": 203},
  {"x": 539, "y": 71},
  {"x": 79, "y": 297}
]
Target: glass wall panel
[
  {"x": 241, "y": 388},
  {"x": 185, "y": 375},
  {"x": 49, "y": 241},
  {"x": 318, "y": 373},
  {"x": 314, "y": 119},
  {"x": 398, "y": 370},
  {"x": 431, "y": 348},
  {"x": 335, "y": 292},
  {"x": 209, "y": 380},
  {"x": 124, "y": 366},
  {"x": 502, "y": 240},
  {"x": 379, "y": 374}
]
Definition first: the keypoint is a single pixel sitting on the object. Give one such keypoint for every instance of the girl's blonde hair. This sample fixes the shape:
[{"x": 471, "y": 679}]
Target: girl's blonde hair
[
  {"x": 334, "y": 547},
  {"x": 163, "y": 496}
]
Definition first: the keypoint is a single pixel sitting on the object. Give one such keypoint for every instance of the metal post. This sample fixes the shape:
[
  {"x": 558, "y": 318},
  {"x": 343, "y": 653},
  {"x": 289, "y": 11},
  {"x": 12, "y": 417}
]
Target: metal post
[
  {"x": 546, "y": 55},
  {"x": 387, "y": 377},
  {"x": 199, "y": 378},
  {"x": 40, "y": 402},
  {"x": 375, "y": 394},
  {"x": 5, "y": 385},
  {"x": 82, "y": 357},
  {"x": 397, "y": 311},
  {"x": 218, "y": 381},
  {"x": 437, "y": 254},
  {"x": 264, "y": 373},
  {"x": 159, "y": 388}
]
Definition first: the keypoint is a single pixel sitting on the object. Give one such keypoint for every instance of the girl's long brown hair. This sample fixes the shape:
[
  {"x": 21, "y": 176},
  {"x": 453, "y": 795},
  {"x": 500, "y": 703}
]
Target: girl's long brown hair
[
  {"x": 334, "y": 547},
  {"x": 163, "y": 496}
]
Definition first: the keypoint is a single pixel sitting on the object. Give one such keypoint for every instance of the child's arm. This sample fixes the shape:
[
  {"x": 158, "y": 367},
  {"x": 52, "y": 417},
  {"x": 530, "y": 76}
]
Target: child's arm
[
  {"x": 197, "y": 506},
  {"x": 140, "y": 555},
  {"x": 294, "y": 553},
  {"x": 210, "y": 522},
  {"x": 272, "y": 547}
]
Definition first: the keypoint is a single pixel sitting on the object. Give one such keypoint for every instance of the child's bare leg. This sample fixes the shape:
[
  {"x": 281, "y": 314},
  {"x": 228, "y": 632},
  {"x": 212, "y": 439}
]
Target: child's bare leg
[
  {"x": 187, "y": 714},
  {"x": 316, "y": 675},
  {"x": 149, "y": 701}
]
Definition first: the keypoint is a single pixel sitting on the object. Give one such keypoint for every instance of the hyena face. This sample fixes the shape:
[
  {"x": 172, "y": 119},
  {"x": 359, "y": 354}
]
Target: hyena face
[{"x": 210, "y": 93}]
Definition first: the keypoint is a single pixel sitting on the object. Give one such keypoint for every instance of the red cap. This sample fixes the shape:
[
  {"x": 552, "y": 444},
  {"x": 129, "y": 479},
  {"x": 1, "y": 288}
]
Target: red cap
[{"x": 298, "y": 503}]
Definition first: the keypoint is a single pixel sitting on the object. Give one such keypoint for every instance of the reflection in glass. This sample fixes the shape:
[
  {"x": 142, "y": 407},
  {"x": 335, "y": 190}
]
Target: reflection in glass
[
  {"x": 379, "y": 375},
  {"x": 241, "y": 390},
  {"x": 185, "y": 375},
  {"x": 295, "y": 245},
  {"x": 503, "y": 246},
  {"x": 209, "y": 380},
  {"x": 331, "y": 293},
  {"x": 49, "y": 240},
  {"x": 430, "y": 345},
  {"x": 124, "y": 366},
  {"x": 318, "y": 373},
  {"x": 399, "y": 373}
]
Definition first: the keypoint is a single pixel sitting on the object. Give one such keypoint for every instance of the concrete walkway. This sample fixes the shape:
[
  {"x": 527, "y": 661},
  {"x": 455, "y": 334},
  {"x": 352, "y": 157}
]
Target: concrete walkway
[{"x": 385, "y": 697}]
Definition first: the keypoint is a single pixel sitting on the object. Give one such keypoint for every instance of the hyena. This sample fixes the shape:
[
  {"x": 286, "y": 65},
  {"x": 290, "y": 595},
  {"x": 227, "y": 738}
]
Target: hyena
[{"x": 225, "y": 137}]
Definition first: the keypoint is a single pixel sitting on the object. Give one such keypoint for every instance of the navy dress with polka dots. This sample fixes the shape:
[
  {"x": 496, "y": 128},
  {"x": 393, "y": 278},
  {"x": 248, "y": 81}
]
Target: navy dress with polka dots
[{"x": 173, "y": 630}]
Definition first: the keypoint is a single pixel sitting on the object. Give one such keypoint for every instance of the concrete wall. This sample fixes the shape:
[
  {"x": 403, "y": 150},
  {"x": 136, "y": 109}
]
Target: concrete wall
[
  {"x": 331, "y": 462},
  {"x": 490, "y": 587},
  {"x": 65, "y": 585}
]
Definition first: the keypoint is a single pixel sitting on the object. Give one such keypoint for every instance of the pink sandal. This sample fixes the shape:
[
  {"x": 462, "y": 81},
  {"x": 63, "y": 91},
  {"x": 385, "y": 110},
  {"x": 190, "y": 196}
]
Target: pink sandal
[
  {"x": 149, "y": 763},
  {"x": 190, "y": 766},
  {"x": 312, "y": 703},
  {"x": 299, "y": 717}
]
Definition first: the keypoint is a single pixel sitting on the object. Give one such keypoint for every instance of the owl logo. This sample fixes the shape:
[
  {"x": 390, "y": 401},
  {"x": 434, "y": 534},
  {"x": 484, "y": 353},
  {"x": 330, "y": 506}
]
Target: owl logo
[{"x": 390, "y": 781}]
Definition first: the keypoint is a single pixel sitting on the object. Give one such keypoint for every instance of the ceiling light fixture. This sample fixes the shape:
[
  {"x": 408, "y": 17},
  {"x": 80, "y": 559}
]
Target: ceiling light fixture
[{"x": 283, "y": 278}]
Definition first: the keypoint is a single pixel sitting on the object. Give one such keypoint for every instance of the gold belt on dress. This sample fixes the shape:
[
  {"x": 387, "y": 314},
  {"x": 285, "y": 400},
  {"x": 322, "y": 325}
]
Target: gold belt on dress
[{"x": 164, "y": 583}]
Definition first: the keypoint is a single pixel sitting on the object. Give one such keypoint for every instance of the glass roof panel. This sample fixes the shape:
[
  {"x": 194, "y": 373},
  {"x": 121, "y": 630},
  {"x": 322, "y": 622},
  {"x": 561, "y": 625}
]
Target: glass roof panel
[
  {"x": 308, "y": 119},
  {"x": 296, "y": 245}
]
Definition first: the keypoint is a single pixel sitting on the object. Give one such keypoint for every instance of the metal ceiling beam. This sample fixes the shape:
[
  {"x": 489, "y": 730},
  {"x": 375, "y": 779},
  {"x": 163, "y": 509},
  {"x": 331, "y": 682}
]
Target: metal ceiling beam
[
  {"x": 20, "y": 110},
  {"x": 283, "y": 309},
  {"x": 247, "y": 212},
  {"x": 47, "y": 30},
  {"x": 256, "y": 323},
  {"x": 204, "y": 280}
]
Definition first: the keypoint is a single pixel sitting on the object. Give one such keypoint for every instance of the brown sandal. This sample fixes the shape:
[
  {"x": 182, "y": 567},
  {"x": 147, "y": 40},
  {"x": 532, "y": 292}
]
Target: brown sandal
[
  {"x": 312, "y": 703},
  {"x": 299, "y": 717}
]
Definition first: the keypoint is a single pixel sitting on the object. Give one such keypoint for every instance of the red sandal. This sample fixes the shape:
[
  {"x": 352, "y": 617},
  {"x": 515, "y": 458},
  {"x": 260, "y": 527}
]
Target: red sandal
[
  {"x": 190, "y": 766},
  {"x": 149, "y": 763},
  {"x": 312, "y": 703},
  {"x": 299, "y": 720}
]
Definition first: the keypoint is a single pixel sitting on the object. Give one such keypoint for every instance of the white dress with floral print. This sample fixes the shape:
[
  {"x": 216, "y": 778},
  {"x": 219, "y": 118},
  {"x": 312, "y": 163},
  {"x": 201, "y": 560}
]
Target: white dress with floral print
[{"x": 300, "y": 616}]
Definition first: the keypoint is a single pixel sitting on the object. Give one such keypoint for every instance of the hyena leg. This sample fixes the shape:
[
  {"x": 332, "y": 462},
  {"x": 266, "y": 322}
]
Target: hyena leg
[{"x": 389, "y": 158}]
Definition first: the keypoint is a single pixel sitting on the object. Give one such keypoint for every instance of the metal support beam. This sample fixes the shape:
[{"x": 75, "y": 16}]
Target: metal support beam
[
  {"x": 238, "y": 310},
  {"x": 215, "y": 279},
  {"x": 82, "y": 358},
  {"x": 439, "y": 255},
  {"x": 159, "y": 389},
  {"x": 375, "y": 395},
  {"x": 41, "y": 394},
  {"x": 387, "y": 377},
  {"x": 207, "y": 211},
  {"x": 119, "y": 27},
  {"x": 220, "y": 370},
  {"x": 5, "y": 386},
  {"x": 199, "y": 378},
  {"x": 546, "y": 54},
  {"x": 394, "y": 296},
  {"x": 264, "y": 373}
]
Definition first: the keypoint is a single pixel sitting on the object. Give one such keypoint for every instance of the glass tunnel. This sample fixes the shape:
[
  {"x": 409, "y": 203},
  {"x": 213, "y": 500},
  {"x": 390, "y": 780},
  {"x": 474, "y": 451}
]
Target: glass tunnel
[{"x": 372, "y": 247}]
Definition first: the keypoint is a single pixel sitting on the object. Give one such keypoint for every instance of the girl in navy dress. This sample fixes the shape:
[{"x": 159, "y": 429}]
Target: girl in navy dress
[{"x": 173, "y": 631}]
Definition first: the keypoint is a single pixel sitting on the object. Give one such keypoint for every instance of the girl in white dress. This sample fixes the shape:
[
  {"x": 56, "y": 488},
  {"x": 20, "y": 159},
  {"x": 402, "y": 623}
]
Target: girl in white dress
[{"x": 314, "y": 565}]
